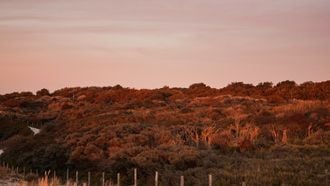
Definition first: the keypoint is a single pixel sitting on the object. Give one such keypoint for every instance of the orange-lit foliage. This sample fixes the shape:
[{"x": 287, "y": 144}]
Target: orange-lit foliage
[{"x": 167, "y": 128}]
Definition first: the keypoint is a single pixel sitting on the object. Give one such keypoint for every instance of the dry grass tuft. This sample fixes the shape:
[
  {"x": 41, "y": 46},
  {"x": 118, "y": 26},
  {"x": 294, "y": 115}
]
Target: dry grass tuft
[{"x": 299, "y": 106}]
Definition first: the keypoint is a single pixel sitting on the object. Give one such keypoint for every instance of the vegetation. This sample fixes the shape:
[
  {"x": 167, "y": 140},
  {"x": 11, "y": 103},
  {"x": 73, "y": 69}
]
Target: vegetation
[{"x": 262, "y": 134}]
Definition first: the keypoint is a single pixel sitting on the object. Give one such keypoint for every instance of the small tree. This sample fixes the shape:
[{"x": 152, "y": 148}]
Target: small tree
[{"x": 43, "y": 92}]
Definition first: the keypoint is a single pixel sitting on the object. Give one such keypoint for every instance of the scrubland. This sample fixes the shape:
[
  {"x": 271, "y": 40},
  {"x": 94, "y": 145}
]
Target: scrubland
[{"x": 263, "y": 135}]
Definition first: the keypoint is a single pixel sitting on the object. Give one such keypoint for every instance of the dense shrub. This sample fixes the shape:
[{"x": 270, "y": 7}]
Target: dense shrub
[{"x": 189, "y": 131}]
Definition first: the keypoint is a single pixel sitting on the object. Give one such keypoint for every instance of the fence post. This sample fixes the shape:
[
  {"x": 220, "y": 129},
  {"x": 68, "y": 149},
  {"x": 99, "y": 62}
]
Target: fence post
[
  {"x": 118, "y": 179},
  {"x": 258, "y": 174},
  {"x": 67, "y": 177},
  {"x": 77, "y": 178},
  {"x": 156, "y": 178},
  {"x": 54, "y": 176},
  {"x": 326, "y": 177},
  {"x": 103, "y": 178},
  {"x": 89, "y": 179},
  {"x": 210, "y": 180},
  {"x": 135, "y": 177},
  {"x": 182, "y": 181}
]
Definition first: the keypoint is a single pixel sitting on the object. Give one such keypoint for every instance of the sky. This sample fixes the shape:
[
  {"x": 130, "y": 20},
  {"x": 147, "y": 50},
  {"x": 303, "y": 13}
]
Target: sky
[{"x": 155, "y": 43}]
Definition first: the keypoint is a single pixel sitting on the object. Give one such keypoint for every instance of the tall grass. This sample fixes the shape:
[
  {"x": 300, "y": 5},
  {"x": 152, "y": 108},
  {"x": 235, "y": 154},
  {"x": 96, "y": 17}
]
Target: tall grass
[{"x": 299, "y": 106}]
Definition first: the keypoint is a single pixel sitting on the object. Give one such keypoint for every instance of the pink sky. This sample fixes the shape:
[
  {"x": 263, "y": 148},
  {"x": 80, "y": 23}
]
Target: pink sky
[{"x": 152, "y": 43}]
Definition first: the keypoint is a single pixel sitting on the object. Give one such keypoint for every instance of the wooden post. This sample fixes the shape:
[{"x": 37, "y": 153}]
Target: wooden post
[
  {"x": 118, "y": 179},
  {"x": 326, "y": 177},
  {"x": 103, "y": 178},
  {"x": 156, "y": 178},
  {"x": 77, "y": 178},
  {"x": 89, "y": 179},
  {"x": 135, "y": 177},
  {"x": 258, "y": 173},
  {"x": 67, "y": 177},
  {"x": 210, "y": 180},
  {"x": 182, "y": 181},
  {"x": 54, "y": 176}
]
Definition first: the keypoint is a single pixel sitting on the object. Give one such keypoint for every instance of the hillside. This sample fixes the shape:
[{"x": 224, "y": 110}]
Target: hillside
[{"x": 275, "y": 133}]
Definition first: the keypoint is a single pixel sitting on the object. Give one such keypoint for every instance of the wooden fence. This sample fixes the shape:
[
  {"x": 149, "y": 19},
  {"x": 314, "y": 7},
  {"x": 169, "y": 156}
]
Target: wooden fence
[{"x": 49, "y": 178}]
